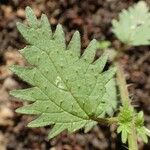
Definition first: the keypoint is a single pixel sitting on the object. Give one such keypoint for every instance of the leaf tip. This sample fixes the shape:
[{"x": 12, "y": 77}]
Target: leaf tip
[
  {"x": 12, "y": 68},
  {"x": 18, "y": 110},
  {"x": 31, "y": 124},
  {"x": 28, "y": 10},
  {"x": 94, "y": 41},
  {"x": 12, "y": 93},
  {"x": 19, "y": 25}
]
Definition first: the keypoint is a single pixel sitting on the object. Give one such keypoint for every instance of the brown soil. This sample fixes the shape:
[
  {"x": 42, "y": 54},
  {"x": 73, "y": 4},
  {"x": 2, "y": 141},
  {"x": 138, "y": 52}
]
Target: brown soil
[{"x": 93, "y": 19}]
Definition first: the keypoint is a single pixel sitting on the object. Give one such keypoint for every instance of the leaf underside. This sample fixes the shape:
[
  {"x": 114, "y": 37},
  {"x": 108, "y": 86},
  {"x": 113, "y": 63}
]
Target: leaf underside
[
  {"x": 68, "y": 90},
  {"x": 133, "y": 27}
]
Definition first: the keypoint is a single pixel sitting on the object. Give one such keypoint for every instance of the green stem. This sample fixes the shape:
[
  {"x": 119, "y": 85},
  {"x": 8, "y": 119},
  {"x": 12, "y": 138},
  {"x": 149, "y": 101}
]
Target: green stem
[
  {"x": 132, "y": 138},
  {"x": 121, "y": 81},
  {"x": 106, "y": 121}
]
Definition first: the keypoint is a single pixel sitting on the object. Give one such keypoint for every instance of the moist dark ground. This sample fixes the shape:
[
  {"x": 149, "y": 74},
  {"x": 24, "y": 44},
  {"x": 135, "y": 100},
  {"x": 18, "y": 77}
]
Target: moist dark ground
[{"x": 93, "y": 19}]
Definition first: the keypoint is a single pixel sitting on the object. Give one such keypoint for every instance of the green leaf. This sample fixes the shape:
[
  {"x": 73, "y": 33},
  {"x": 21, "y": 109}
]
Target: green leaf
[
  {"x": 133, "y": 27},
  {"x": 68, "y": 90},
  {"x": 141, "y": 130}
]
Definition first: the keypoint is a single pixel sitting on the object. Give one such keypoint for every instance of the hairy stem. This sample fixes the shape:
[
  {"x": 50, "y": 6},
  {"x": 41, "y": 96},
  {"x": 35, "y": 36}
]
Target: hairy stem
[
  {"x": 121, "y": 81},
  {"x": 124, "y": 94}
]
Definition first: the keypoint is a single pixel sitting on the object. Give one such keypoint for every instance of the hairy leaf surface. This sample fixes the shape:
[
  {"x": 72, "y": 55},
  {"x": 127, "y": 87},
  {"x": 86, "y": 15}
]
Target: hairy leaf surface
[{"x": 68, "y": 91}]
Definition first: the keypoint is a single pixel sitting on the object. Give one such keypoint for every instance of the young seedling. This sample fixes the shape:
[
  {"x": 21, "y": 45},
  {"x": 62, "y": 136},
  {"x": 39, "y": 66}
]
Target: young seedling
[{"x": 70, "y": 91}]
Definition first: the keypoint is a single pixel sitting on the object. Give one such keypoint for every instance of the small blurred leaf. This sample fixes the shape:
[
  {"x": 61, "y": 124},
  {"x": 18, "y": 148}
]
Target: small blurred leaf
[
  {"x": 133, "y": 27},
  {"x": 103, "y": 44}
]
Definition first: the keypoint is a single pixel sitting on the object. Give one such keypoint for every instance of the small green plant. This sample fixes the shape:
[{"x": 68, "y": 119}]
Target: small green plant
[
  {"x": 125, "y": 123},
  {"x": 70, "y": 91}
]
